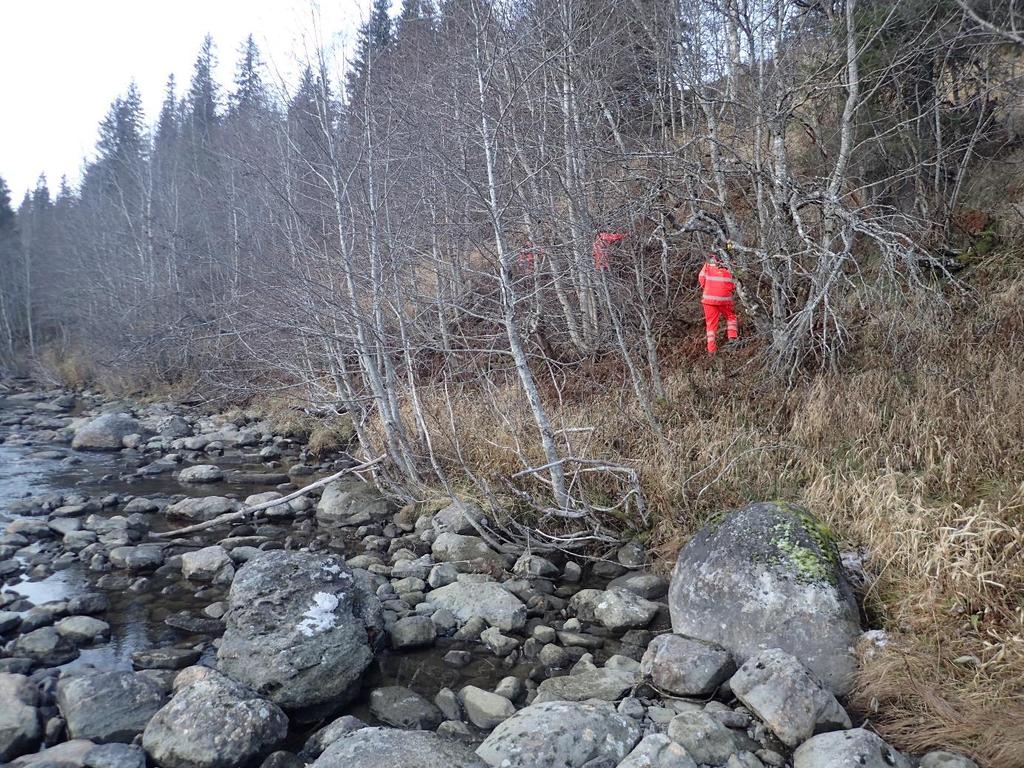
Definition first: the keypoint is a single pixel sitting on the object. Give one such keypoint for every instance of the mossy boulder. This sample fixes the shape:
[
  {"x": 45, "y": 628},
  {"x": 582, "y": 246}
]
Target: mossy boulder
[{"x": 769, "y": 576}]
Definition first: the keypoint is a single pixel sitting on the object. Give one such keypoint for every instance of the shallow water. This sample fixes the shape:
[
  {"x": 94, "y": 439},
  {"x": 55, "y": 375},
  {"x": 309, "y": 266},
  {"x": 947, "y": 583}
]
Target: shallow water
[{"x": 137, "y": 618}]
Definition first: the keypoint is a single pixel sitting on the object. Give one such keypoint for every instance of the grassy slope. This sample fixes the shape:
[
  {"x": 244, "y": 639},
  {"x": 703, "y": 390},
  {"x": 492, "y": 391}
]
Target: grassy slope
[{"x": 914, "y": 453}]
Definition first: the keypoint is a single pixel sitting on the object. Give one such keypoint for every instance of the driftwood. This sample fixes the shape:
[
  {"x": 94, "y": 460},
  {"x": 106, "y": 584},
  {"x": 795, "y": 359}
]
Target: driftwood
[{"x": 242, "y": 514}]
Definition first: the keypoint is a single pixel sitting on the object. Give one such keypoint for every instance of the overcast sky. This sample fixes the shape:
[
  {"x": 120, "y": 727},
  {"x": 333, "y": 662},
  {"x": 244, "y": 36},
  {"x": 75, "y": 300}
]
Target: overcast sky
[{"x": 64, "y": 61}]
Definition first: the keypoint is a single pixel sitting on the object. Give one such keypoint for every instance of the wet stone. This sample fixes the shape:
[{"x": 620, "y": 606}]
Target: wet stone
[
  {"x": 404, "y": 708},
  {"x": 165, "y": 658}
]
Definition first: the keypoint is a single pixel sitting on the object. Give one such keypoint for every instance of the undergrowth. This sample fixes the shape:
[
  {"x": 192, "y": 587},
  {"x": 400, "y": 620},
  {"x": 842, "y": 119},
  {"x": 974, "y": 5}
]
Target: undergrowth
[{"x": 913, "y": 454}]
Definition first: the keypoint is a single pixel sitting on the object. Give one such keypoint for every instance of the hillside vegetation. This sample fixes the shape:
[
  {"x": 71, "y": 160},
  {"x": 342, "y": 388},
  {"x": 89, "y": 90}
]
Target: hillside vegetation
[{"x": 403, "y": 243}]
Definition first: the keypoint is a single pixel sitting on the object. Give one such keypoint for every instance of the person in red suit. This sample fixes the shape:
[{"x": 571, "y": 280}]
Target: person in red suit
[
  {"x": 718, "y": 285},
  {"x": 602, "y": 247}
]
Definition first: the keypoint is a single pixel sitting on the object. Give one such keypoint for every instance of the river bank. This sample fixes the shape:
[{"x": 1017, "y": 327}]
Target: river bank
[{"x": 275, "y": 640}]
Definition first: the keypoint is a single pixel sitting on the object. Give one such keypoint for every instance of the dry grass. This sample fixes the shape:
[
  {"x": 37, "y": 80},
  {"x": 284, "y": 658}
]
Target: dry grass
[{"x": 915, "y": 455}]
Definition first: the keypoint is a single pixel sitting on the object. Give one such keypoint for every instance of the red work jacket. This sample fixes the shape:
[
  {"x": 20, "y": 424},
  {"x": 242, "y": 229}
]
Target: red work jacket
[
  {"x": 717, "y": 283},
  {"x": 601, "y": 243}
]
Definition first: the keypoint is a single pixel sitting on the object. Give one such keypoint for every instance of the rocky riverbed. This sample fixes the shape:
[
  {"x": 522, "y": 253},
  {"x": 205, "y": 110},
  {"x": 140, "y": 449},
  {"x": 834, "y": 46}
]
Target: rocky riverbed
[{"x": 339, "y": 630}]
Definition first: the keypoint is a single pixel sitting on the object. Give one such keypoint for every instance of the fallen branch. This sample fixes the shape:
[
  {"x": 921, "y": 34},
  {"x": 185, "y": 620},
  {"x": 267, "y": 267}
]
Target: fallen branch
[{"x": 242, "y": 514}]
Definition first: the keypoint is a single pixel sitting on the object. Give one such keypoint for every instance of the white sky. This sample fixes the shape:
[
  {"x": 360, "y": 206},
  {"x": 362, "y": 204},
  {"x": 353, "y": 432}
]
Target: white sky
[{"x": 64, "y": 61}]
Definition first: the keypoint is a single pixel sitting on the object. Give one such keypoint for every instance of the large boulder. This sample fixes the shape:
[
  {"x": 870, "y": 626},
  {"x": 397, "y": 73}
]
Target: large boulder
[
  {"x": 20, "y": 729},
  {"x": 199, "y": 510},
  {"x": 856, "y": 748},
  {"x": 349, "y": 503},
  {"x": 109, "y": 706},
  {"x": 613, "y": 608},
  {"x": 389, "y": 748},
  {"x": 779, "y": 690},
  {"x": 684, "y": 666},
  {"x": 298, "y": 628},
  {"x": 560, "y": 733},
  {"x": 486, "y": 600},
  {"x": 213, "y": 723},
  {"x": 769, "y": 576},
  {"x": 105, "y": 433}
]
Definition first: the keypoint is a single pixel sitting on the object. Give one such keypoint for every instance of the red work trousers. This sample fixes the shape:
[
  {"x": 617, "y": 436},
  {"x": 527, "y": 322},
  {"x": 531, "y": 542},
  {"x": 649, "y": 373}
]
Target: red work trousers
[{"x": 713, "y": 311}]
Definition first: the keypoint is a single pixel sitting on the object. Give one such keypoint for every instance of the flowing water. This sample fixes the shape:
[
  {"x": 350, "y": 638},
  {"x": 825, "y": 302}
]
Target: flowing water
[{"x": 137, "y": 615}]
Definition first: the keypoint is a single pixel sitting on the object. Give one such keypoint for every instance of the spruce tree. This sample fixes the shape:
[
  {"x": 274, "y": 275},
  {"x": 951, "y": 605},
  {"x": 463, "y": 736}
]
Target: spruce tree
[
  {"x": 202, "y": 100},
  {"x": 250, "y": 94},
  {"x": 374, "y": 39}
]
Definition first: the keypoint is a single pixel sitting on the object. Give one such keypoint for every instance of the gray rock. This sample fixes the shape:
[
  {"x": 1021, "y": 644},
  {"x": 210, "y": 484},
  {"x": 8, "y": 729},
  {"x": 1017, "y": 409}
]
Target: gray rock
[
  {"x": 632, "y": 554},
  {"x": 768, "y": 576},
  {"x": 448, "y": 702},
  {"x": 705, "y": 739},
  {"x": 658, "y": 751},
  {"x": 512, "y": 688},
  {"x": 498, "y": 644},
  {"x": 943, "y": 759},
  {"x": 208, "y": 564},
  {"x": 82, "y": 629},
  {"x": 649, "y": 586},
  {"x": 485, "y": 709},
  {"x": 533, "y": 567},
  {"x": 44, "y": 646},
  {"x": 144, "y": 557},
  {"x": 173, "y": 427},
  {"x": 88, "y": 604},
  {"x": 115, "y": 756},
  {"x": 412, "y": 632},
  {"x": 8, "y": 620},
  {"x": 108, "y": 706},
  {"x": 553, "y": 656},
  {"x": 105, "y": 433},
  {"x": 684, "y": 666},
  {"x": 20, "y": 729},
  {"x": 329, "y": 734},
  {"x": 165, "y": 658},
  {"x": 298, "y": 628},
  {"x": 351, "y": 503},
  {"x": 455, "y": 518},
  {"x": 783, "y": 693},
  {"x": 856, "y": 748},
  {"x": 391, "y": 748},
  {"x": 70, "y": 754},
  {"x": 560, "y": 733},
  {"x": 201, "y": 473},
  {"x": 213, "y": 723},
  {"x": 199, "y": 510},
  {"x": 603, "y": 684},
  {"x": 613, "y": 608},
  {"x": 442, "y": 574},
  {"x": 485, "y": 600},
  {"x": 744, "y": 760},
  {"x": 404, "y": 708},
  {"x": 464, "y": 551},
  {"x": 142, "y": 505}
]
